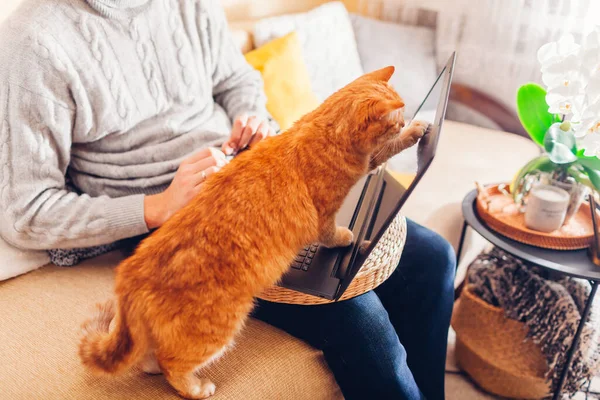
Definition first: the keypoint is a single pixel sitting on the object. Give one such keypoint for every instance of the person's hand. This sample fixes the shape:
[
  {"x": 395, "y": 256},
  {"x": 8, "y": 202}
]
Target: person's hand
[
  {"x": 247, "y": 131},
  {"x": 186, "y": 184}
]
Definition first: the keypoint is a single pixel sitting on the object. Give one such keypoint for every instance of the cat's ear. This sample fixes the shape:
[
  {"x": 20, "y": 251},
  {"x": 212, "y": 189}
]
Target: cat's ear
[
  {"x": 385, "y": 107},
  {"x": 383, "y": 74}
]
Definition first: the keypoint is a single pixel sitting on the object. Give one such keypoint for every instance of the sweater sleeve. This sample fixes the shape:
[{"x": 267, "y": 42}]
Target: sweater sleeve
[
  {"x": 37, "y": 118},
  {"x": 237, "y": 87}
]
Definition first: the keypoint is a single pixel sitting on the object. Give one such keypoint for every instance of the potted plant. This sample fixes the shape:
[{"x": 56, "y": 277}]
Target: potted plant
[{"x": 564, "y": 120}]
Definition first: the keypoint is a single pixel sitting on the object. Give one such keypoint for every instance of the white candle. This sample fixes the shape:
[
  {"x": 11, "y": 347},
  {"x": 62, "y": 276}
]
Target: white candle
[
  {"x": 546, "y": 208},
  {"x": 550, "y": 195}
]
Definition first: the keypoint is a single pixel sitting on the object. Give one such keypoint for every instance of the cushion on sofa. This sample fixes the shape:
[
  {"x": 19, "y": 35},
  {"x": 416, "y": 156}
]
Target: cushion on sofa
[
  {"x": 327, "y": 42},
  {"x": 286, "y": 80},
  {"x": 410, "y": 49},
  {"x": 43, "y": 310},
  {"x": 14, "y": 261}
]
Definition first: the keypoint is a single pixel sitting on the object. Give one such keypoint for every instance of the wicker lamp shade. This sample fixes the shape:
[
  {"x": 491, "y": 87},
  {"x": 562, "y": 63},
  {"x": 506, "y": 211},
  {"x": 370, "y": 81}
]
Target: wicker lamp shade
[
  {"x": 382, "y": 262},
  {"x": 493, "y": 350}
]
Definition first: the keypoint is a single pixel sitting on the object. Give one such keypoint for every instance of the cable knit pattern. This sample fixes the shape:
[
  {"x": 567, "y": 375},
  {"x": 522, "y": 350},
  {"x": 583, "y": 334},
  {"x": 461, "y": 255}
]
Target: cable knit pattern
[
  {"x": 143, "y": 47},
  {"x": 183, "y": 54},
  {"x": 111, "y": 94},
  {"x": 92, "y": 32}
]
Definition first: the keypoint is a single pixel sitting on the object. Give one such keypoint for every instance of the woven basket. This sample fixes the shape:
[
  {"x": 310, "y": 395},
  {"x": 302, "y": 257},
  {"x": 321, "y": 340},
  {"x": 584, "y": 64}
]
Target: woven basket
[
  {"x": 377, "y": 268},
  {"x": 494, "y": 351}
]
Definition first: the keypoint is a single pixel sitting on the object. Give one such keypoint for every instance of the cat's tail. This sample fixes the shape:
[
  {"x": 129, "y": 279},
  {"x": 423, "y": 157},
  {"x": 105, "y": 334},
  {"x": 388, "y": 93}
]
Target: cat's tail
[{"x": 111, "y": 352}]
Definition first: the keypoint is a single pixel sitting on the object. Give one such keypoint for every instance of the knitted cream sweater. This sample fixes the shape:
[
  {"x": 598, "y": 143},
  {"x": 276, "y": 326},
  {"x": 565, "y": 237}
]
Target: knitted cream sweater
[{"x": 113, "y": 94}]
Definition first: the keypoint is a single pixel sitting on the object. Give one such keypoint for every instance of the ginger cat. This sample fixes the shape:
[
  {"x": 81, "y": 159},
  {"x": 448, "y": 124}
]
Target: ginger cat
[{"x": 186, "y": 292}]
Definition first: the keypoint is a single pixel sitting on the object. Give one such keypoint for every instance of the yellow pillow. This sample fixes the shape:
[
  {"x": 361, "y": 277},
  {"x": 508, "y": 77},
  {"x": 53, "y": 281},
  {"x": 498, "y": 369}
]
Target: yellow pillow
[{"x": 287, "y": 84}]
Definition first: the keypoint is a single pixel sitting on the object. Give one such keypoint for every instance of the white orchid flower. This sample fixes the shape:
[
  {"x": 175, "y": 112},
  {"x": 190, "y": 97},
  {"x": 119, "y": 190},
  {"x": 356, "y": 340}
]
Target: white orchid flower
[
  {"x": 561, "y": 73},
  {"x": 571, "y": 74},
  {"x": 565, "y": 94},
  {"x": 591, "y": 144},
  {"x": 554, "y": 52},
  {"x": 588, "y": 121}
]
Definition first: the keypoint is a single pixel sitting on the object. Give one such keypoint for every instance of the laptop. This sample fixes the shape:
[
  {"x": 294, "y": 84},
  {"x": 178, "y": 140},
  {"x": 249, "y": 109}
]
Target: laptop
[{"x": 372, "y": 205}]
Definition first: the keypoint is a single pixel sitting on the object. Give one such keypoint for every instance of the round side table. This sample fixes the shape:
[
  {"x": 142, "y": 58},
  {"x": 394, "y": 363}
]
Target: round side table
[{"x": 574, "y": 263}]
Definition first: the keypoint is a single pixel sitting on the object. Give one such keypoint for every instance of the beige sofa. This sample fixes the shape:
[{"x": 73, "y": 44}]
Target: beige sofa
[{"x": 41, "y": 311}]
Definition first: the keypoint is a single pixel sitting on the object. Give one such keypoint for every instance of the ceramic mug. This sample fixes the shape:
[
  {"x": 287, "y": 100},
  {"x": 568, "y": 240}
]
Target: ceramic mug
[{"x": 546, "y": 208}]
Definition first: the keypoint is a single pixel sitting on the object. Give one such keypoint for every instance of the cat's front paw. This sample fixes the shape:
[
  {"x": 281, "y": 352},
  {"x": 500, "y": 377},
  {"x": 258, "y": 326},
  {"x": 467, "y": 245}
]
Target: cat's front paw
[
  {"x": 343, "y": 237},
  {"x": 414, "y": 132}
]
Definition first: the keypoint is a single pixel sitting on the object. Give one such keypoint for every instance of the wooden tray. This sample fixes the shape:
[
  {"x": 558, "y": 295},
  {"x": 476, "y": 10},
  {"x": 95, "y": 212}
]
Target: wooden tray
[{"x": 501, "y": 214}]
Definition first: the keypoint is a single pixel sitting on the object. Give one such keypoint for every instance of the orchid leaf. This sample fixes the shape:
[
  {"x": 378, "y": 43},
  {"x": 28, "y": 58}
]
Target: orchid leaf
[
  {"x": 576, "y": 171},
  {"x": 580, "y": 176},
  {"x": 560, "y": 145},
  {"x": 594, "y": 177},
  {"x": 590, "y": 162},
  {"x": 533, "y": 111}
]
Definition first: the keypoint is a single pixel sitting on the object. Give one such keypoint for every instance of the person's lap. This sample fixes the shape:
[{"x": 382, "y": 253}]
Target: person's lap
[{"x": 390, "y": 342}]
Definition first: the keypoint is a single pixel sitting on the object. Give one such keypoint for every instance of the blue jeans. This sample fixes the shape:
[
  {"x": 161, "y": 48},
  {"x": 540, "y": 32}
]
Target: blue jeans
[{"x": 389, "y": 343}]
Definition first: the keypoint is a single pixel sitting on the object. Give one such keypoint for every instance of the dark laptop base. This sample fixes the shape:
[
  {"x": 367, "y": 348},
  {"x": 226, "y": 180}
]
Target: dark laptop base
[{"x": 324, "y": 277}]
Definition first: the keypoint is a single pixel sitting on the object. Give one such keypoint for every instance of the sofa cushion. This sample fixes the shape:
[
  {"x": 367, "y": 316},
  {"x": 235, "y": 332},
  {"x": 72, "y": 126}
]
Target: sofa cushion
[
  {"x": 286, "y": 80},
  {"x": 410, "y": 49},
  {"x": 43, "y": 310},
  {"x": 14, "y": 261},
  {"x": 327, "y": 42}
]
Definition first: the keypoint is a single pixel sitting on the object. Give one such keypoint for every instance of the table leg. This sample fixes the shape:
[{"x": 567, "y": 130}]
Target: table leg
[
  {"x": 573, "y": 348},
  {"x": 461, "y": 242}
]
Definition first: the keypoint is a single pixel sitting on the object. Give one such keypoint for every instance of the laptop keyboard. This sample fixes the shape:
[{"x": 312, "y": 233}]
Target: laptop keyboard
[{"x": 305, "y": 257}]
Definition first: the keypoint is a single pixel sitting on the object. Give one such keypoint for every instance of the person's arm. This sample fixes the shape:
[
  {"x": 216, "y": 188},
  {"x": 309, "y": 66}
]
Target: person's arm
[
  {"x": 37, "y": 211},
  {"x": 237, "y": 87},
  {"x": 41, "y": 107}
]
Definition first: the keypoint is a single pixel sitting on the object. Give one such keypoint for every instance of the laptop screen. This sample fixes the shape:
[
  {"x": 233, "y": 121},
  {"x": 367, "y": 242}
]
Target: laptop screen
[
  {"x": 406, "y": 169},
  {"x": 410, "y": 165},
  {"x": 405, "y": 166}
]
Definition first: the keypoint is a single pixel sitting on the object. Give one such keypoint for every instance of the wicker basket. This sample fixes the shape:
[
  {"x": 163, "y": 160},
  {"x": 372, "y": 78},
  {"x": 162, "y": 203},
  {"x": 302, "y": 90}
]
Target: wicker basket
[
  {"x": 492, "y": 349},
  {"x": 377, "y": 268}
]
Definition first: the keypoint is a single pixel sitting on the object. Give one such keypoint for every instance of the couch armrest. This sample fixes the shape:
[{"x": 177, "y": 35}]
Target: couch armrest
[{"x": 486, "y": 105}]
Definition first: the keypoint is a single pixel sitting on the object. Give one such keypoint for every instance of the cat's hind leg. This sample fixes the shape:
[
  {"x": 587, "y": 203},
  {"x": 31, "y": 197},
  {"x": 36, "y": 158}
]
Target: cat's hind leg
[
  {"x": 198, "y": 334},
  {"x": 182, "y": 375},
  {"x": 149, "y": 364},
  {"x": 181, "y": 368}
]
